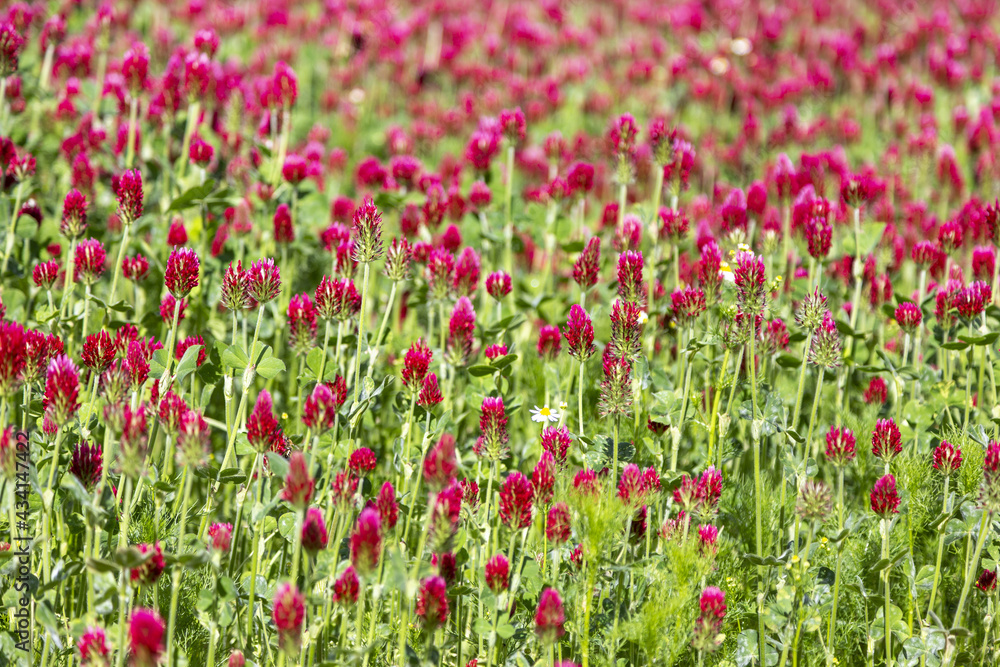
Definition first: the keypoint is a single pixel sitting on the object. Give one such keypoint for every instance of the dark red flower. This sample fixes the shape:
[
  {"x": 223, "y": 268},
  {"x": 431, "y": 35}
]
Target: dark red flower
[
  {"x": 289, "y": 611},
  {"x": 432, "y": 602},
  {"x": 366, "y": 541},
  {"x": 299, "y": 484},
  {"x": 497, "y": 573},
  {"x": 549, "y": 617},
  {"x": 181, "y": 275},
  {"x": 887, "y": 441},
  {"x": 516, "y": 496},
  {"x": 884, "y": 497},
  {"x": 947, "y": 458},
  {"x": 362, "y": 461},
  {"x": 314, "y": 536},
  {"x": 149, "y": 571},
  {"x": 346, "y": 587},
  {"x": 557, "y": 525}
]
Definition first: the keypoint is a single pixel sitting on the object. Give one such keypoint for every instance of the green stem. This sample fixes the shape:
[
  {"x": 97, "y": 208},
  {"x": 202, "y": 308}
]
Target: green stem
[
  {"x": 984, "y": 529},
  {"x": 836, "y": 575},
  {"x": 178, "y": 571},
  {"x": 361, "y": 333},
  {"x": 14, "y": 212},
  {"x": 716, "y": 401},
  {"x": 888, "y": 627},
  {"x": 940, "y": 551},
  {"x": 858, "y": 270},
  {"x": 116, "y": 270},
  {"x": 385, "y": 320},
  {"x": 802, "y": 382},
  {"x": 758, "y": 491},
  {"x": 812, "y": 417}
]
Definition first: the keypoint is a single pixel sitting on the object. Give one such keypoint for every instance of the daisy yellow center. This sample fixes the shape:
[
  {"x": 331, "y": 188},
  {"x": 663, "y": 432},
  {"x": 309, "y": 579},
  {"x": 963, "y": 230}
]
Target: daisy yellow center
[{"x": 545, "y": 411}]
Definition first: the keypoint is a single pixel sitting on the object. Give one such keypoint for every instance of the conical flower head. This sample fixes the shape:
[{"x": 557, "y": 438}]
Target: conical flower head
[
  {"x": 579, "y": 333},
  {"x": 543, "y": 478},
  {"x": 688, "y": 303},
  {"x": 440, "y": 463},
  {"x": 825, "y": 350},
  {"x": 814, "y": 501},
  {"x": 812, "y": 311},
  {"x": 460, "y": 331},
  {"x": 299, "y": 484},
  {"x": 98, "y": 351},
  {"x": 616, "y": 388},
  {"x": 289, "y": 611},
  {"x": 397, "y": 260},
  {"x": 947, "y": 458},
  {"x": 145, "y": 632},
  {"x": 558, "y": 526},
  {"x": 264, "y": 281},
  {"x": 707, "y": 627},
  {"x": 885, "y": 497},
  {"x": 366, "y": 541},
  {"x": 626, "y": 330},
  {"x": 416, "y": 361},
  {"x": 321, "y": 407},
  {"x": 887, "y": 440},
  {"x": 556, "y": 441},
  {"x": 337, "y": 299},
  {"x": 497, "y": 573},
  {"x": 262, "y": 425},
  {"x": 432, "y": 602},
  {"x": 136, "y": 365},
  {"x": 74, "y": 217},
  {"x": 493, "y": 427},
  {"x": 498, "y": 285},
  {"x": 909, "y": 316},
  {"x": 549, "y": 617},
  {"x": 87, "y": 464},
  {"x": 367, "y": 233},
  {"x": 128, "y": 192},
  {"x": 235, "y": 292},
  {"x": 93, "y": 648},
  {"x": 516, "y": 497},
  {"x": 221, "y": 535},
  {"x": 631, "y": 286},
  {"x": 840, "y": 446},
  {"x": 89, "y": 260},
  {"x": 181, "y": 275},
  {"x": 62, "y": 390},
  {"x": 587, "y": 266},
  {"x": 749, "y": 274},
  {"x": 346, "y": 587},
  {"x": 990, "y": 494},
  {"x": 193, "y": 439},
  {"x": 314, "y": 535},
  {"x": 388, "y": 508},
  {"x": 302, "y": 323},
  {"x": 151, "y": 570}
]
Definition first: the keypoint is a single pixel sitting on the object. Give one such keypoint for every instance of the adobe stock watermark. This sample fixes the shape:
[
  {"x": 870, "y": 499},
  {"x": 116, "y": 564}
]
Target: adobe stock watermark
[{"x": 20, "y": 538}]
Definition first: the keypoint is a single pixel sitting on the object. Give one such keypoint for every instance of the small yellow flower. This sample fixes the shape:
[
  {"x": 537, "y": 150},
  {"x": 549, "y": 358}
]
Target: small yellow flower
[{"x": 284, "y": 415}]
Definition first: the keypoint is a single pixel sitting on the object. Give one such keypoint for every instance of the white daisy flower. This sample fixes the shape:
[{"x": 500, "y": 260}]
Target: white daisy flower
[
  {"x": 643, "y": 317},
  {"x": 544, "y": 414}
]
